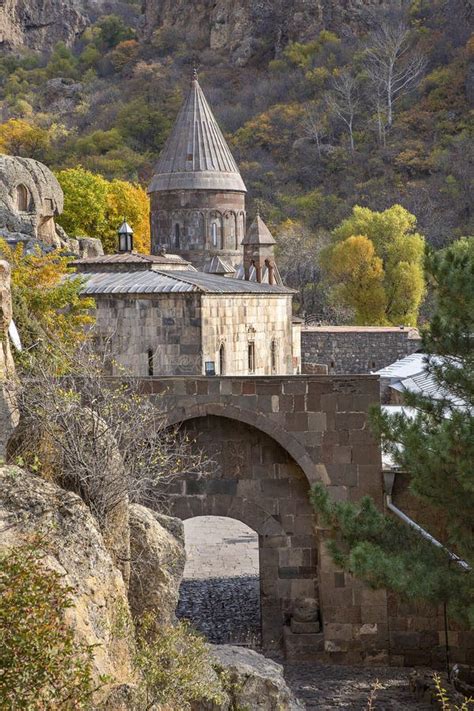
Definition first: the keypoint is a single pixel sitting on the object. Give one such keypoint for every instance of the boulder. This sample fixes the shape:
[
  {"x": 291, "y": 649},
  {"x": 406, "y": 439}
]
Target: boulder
[
  {"x": 61, "y": 95},
  {"x": 8, "y": 409},
  {"x": 90, "y": 247},
  {"x": 75, "y": 548},
  {"x": 253, "y": 681},
  {"x": 157, "y": 560}
]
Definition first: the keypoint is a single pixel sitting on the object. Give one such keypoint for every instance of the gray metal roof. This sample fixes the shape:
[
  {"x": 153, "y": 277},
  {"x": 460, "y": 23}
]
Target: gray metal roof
[
  {"x": 158, "y": 282},
  {"x": 216, "y": 265},
  {"x": 196, "y": 155},
  {"x": 132, "y": 258}
]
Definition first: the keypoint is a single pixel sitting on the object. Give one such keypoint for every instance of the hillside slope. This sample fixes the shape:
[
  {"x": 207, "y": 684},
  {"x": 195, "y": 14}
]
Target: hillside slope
[{"x": 272, "y": 71}]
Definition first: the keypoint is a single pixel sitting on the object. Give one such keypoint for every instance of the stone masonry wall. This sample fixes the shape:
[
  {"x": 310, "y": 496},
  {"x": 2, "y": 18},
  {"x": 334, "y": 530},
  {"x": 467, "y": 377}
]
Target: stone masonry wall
[
  {"x": 194, "y": 211},
  {"x": 272, "y": 438},
  {"x": 235, "y": 321},
  {"x": 169, "y": 326},
  {"x": 355, "y": 350}
]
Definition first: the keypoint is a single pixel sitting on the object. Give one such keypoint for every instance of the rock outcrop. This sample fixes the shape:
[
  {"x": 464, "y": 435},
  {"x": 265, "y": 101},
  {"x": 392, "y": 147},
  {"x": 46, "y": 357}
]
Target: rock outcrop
[
  {"x": 240, "y": 30},
  {"x": 99, "y": 615},
  {"x": 157, "y": 560},
  {"x": 30, "y": 199},
  {"x": 8, "y": 410},
  {"x": 253, "y": 681},
  {"x": 40, "y": 24}
]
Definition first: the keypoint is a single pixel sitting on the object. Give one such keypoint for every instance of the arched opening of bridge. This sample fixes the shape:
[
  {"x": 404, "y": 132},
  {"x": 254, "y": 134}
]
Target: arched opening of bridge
[{"x": 220, "y": 591}]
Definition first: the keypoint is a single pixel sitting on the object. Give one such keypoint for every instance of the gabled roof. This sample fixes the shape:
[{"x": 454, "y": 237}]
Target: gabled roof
[
  {"x": 196, "y": 155},
  {"x": 258, "y": 233},
  {"x": 216, "y": 265},
  {"x": 132, "y": 258},
  {"x": 407, "y": 367},
  {"x": 157, "y": 282}
]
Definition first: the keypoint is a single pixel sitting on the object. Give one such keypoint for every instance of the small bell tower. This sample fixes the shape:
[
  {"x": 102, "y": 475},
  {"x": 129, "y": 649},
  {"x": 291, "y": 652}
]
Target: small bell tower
[{"x": 259, "y": 253}]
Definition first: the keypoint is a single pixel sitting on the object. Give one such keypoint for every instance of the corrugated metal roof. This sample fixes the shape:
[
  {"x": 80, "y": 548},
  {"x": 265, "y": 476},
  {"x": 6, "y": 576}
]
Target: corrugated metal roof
[
  {"x": 157, "y": 282},
  {"x": 196, "y": 155},
  {"x": 132, "y": 258},
  {"x": 404, "y": 368},
  {"x": 216, "y": 265}
]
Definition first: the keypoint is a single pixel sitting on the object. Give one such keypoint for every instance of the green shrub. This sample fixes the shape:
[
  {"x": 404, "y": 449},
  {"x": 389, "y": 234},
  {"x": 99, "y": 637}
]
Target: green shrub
[
  {"x": 42, "y": 666},
  {"x": 175, "y": 667}
]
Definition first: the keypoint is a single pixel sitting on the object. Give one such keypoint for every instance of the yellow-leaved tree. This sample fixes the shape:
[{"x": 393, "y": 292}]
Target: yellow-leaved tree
[
  {"x": 22, "y": 138},
  {"x": 358, "y": 275},
  {"x": 130, "y": 201},
  {"x": 51, "y": 316},
  {"x": 389, "y": 237},
  {"x": 95, "y": 207}
]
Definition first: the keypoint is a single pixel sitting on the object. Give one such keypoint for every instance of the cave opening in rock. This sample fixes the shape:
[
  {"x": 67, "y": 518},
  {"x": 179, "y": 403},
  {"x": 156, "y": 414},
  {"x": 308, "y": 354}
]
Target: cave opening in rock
[{"x": 220, "y": 591}]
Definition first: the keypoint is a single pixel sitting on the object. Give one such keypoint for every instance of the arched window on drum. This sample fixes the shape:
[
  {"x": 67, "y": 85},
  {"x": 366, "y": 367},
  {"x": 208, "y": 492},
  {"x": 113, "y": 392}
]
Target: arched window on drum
[
  {"x": 177, "y": 235},
  {"x": 214, "y": 234}
]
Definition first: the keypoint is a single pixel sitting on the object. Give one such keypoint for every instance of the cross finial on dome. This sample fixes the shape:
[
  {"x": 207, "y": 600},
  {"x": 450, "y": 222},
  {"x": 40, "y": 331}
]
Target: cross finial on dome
[{"x": 195, "y": 74}]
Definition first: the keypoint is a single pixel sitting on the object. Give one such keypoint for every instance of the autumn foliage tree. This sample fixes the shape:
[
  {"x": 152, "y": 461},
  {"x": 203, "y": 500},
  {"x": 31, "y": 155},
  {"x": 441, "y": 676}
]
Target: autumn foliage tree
[
  {"x": 22, "y": 138},
  {"x": 375, "y": 266},
  {"x": 95, "y": 207},
  {"x": 49, "y": 312},
  {"x": 359, "y": 273}
]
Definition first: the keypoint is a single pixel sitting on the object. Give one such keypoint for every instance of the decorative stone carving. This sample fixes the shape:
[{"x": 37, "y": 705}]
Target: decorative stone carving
[{"x": 306, "y": 609}]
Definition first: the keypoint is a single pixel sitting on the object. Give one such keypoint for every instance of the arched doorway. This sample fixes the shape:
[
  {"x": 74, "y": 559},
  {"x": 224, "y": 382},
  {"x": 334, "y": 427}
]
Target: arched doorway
[
  {"x": 220, "y": 591},
  {"x": 257, "y": 482}
]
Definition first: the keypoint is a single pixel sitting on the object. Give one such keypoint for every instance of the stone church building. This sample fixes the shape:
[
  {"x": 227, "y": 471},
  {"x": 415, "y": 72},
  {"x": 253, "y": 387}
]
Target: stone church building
[{"x": 209, "y": 299}]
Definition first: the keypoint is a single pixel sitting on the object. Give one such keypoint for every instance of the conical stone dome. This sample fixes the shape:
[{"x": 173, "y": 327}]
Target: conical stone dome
[{"x": 196, "y": 155}]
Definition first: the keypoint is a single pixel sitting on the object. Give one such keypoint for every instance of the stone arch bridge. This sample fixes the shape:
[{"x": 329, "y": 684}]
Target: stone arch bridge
[{"x": 271, "y": 438}]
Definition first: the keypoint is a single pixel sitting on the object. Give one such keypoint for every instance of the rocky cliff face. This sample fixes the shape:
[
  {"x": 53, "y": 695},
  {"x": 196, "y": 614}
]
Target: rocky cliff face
[
  {"x": 40, "y": 24},
  {"x": 99, "y": 614},
  {"x": 240, "y": 28},
  {"x": 237, "y": 29}
]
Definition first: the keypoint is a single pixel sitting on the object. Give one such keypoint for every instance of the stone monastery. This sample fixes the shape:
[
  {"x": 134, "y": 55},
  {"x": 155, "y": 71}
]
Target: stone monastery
[{"x": 209, "y": 299}]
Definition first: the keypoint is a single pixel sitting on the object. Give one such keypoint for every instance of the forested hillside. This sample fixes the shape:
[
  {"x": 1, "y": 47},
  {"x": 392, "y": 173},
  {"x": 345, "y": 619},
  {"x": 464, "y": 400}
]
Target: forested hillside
[{"x": 351, "y": 104}]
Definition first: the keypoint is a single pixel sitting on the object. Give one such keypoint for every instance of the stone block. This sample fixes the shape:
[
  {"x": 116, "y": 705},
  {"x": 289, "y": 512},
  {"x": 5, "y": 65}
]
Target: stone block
[
  {"x": 350, "y": 420},
  {"x": 338, "y": 632},
  {"x": 305, "y": 628},
  {"x": 302, "y": 646},
  {"x": 366, "y": 454},
  {"x": 296, "y": 422},
  {"x": 317, "y": 421},
  {"x": 295, "y": 386}
]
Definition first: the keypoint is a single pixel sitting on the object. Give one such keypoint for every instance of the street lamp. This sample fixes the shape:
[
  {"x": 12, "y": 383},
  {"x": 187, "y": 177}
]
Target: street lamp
[{"x": 125, "y": 237}]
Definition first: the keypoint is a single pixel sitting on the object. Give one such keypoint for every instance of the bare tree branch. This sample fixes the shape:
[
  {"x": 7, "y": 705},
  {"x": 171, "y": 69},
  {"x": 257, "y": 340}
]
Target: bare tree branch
[
  {"x": 392, "y": 67},
  {"x": 343, "y": 101}
]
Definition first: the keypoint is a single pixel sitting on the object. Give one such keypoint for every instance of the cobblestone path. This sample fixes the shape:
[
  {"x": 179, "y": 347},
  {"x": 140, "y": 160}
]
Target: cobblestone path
[{"x": 322, "y": 687}]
